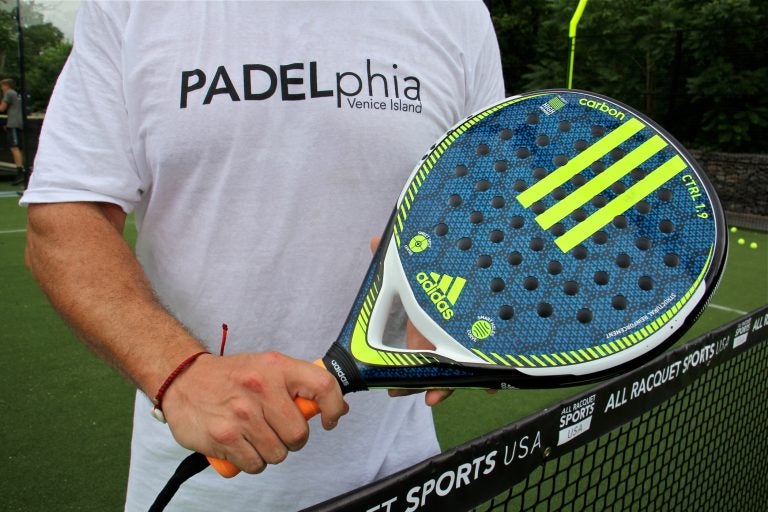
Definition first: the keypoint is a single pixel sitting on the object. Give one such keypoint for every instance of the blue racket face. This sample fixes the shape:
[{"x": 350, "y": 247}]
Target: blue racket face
[{"x": 554, "y": 236}]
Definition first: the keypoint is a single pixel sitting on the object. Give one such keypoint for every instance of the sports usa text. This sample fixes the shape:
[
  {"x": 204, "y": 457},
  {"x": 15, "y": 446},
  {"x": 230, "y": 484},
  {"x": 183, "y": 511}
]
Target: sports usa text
[
  {"x": 299, "y": 81},
  {"x": 464, "y": 475}
]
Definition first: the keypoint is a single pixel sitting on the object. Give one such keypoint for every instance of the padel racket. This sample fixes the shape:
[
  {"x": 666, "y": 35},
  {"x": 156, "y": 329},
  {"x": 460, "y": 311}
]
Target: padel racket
[{"x": 554, "y": 238}]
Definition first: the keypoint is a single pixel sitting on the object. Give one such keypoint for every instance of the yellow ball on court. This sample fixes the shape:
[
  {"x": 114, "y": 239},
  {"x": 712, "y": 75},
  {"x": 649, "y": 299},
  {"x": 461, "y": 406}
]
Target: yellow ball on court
[
  {"x": 734, "y": 229},
  {"x": 753, "y": 245},
  {"x": 741, "y": 241}
]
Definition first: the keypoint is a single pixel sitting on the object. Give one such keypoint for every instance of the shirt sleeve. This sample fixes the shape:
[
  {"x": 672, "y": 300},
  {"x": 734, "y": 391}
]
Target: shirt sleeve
[
  {"x": 485, "y": 82},
  {"x": 84, "y": 152}
]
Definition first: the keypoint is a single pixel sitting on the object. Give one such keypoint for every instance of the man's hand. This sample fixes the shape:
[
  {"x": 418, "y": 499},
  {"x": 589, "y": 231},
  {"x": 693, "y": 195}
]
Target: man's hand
[
  {"x": 240, "y": 407},
  {"x": 416, "y": 341},
  {"x": 237, "y": 407}
]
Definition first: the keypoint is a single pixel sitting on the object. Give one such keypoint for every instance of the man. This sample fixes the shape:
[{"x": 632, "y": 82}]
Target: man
[
  {"x": 11, "y": 105},
  {"x": 260, "y": 145}
]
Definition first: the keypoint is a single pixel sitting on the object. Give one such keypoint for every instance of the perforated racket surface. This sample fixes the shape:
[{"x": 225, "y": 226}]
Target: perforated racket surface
[
  {"x": 547, "y": 240},
  {"x": 554, "y": 238}
]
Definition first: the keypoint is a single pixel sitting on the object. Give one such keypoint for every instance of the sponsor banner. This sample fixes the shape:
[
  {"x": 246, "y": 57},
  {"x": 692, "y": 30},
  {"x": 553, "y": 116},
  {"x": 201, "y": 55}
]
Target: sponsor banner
[{"x": 471, "y": 474}]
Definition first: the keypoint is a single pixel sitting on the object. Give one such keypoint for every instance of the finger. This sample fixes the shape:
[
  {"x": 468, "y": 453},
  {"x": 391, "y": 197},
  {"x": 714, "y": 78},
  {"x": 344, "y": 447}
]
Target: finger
[
  {"x": 403, "y": 392},
  {"x": 315, "y": 383},
  {"x": 375, "y": 241},
  {"x": 232, "y": 446},
  {"x": 288, "y": 425},
  {"x": 435, "y": 396},
  {"x": 414, "y": 340}
]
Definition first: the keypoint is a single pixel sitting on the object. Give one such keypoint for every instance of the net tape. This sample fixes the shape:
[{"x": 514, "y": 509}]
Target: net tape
[{"x": 686, "y": 431}]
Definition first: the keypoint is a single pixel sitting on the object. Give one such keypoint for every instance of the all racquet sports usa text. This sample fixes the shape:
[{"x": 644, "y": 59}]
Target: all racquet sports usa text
[{"x": 363, "y": 89}]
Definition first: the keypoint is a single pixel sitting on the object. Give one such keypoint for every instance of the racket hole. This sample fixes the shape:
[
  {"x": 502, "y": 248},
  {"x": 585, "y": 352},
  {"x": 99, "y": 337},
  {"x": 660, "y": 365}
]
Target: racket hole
[
  {"x": 600, "y": 238},
  {"x": 578, "y": 180},
  {"x": 519, "y": 185},
  {"x": 455, "y": 200},
  {"x": 579, "y": 214},
  {"x": 643, "y": 207},
  {"x": 645, "y": 283},
  {"x": 571, "y": 288},
  {"x": 544, "y": 309},
  {"x": 538, "y": 207},
  {"x": 665, "y": 194},
  {"x": 666, "y": 226},
  {"x": 599, "y": 201},
  {"x": 484, "y": 261},
  {"x": 476, "y": 217},
  {"x": 530, "y": 283},
  {"x": 559, "y": 193},
  {"x": 501, "y": 165},
  {"x": 506, "y": 312},
  {"x": 483, "y": 149},
  {"x": 498, "y": 202},
  {"x": 580, "y": 252},
  {"x": 601, "y": 277},
  {"x": 537, "y": 244},
  {"x": 542, "y": 140},
  {"x": 505, "y": 134},
  {"x": 580, "y": 145},
  {"x": 514, "y": 258},
  {"x": 482, "y": 185},
  {"x": 464, "y": 243},
  {"x": 560, "y": 160},
  {"x": 532, "y": 119},
  {"x": 620, "y": 221},
  {"x": 584, "y": 315},
  {"x": 637, "y": 174},
  {"x": 643, "y": 243},
  {"x": 671, "y": 260},
  {"x": 517, "y": 222},
  {"x": 496, "y": 236},
  {"x": 617, "y": 154},
  {"x": 597, "y": 167},
  {"x": 597, "y": 131},
  {"x": 623, "y": 260},
  {"x": 564, "y": 126},
  {"x": 461, "y": 170},
  {"x": 619, "y": 302},
  {"x": 523, "y": 153},
  {"x": 619, "y": 187},
  {"x": 539, "y": 173},
  {"x": 558, "y": 229},
  {"x": 441, "y": 229},
  {"x": 554, "y": 267},
  {"x": 497, "y": 284}
]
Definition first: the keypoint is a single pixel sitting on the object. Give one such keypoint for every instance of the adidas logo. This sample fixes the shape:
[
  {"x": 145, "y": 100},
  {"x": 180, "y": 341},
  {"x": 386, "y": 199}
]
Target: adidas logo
[{"x": 443, "y": 290}]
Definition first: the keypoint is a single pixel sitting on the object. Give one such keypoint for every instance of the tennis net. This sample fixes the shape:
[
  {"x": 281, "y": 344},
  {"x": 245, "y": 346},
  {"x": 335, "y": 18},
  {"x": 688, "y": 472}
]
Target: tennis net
[{"x": 686, "y": 431}]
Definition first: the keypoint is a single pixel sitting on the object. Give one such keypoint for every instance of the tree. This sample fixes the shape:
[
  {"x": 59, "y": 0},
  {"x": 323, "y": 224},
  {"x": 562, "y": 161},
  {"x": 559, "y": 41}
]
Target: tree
[
  {"x": 45, "y": 51},
  {"x": 696, "y": 66}
]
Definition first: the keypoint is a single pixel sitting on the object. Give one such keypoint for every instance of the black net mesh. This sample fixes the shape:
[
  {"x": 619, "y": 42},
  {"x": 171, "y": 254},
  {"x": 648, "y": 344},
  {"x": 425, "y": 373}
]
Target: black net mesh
[{"x": 704, "y": 448}]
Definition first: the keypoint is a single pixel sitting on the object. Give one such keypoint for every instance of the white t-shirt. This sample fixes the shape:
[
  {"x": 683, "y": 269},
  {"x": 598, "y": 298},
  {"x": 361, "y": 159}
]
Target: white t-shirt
[{"x": 261, "y": 145}]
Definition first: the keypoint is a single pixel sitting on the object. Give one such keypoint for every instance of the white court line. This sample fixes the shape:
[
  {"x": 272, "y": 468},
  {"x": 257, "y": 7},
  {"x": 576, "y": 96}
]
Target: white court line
[
  {"x": 726, "y": 308},
  {"x": 10, "y": 231}
]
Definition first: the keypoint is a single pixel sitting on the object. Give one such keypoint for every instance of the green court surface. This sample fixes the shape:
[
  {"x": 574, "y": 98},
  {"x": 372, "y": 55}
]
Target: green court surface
[{"x": 65, "y": 416}]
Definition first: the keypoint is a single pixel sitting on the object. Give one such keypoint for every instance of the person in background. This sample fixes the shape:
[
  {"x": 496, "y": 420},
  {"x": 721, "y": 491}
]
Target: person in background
[{"x": 11, "y": 105}]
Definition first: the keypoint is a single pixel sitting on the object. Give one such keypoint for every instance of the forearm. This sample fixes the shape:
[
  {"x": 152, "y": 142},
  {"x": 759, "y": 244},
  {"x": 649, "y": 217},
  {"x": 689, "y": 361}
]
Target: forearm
[{"x": 78, "y": 255}]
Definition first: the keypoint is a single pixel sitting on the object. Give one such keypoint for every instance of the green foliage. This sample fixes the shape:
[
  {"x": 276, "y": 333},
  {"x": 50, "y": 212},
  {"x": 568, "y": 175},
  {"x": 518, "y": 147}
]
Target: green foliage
[
  {"x": 697, "y": 67},
  {"x": 45, "y": 51}
]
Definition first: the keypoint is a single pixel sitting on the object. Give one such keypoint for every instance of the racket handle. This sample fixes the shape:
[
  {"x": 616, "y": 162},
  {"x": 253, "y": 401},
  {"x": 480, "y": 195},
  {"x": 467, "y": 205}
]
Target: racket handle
[{"x": 308, "y": 408}]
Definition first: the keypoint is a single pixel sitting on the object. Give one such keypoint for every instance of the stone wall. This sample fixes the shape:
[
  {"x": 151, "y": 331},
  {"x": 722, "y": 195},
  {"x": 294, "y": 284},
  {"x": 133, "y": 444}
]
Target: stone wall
[{"x": 741, "y": 180}]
